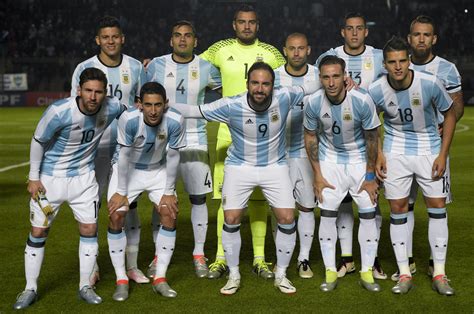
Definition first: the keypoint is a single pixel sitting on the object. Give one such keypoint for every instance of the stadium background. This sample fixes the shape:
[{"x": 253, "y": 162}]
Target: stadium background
[{"x": 46, "y": 39}]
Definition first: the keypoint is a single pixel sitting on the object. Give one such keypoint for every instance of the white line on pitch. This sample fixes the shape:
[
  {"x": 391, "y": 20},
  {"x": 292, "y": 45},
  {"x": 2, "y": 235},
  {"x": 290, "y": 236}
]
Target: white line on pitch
[
  {"x": 462, "y": 128},
  {"x": 14, "y": 166}
]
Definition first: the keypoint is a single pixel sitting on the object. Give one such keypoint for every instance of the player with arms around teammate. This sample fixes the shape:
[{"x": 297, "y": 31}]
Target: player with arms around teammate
[
  {"x": 296, "y": 72},
  {"x": 364, "y": 64},
  {"x": 341, "y": 141},
  {"x": 144, "y": 163},
  {"x": 257, "y": 158},
  {"x": 125, "y": 75},
  {"x": 413, "y": 149},
  {"x": 186, "y": 77},
  {"x": 422, "y": 38},
  {"x": 62, "y": 170},
  {"x": 234, "y": 57}
]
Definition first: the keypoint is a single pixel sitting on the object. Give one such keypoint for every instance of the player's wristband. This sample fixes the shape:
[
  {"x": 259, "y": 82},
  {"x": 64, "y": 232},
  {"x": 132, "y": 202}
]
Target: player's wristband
[{"x": 369, "y": 176}]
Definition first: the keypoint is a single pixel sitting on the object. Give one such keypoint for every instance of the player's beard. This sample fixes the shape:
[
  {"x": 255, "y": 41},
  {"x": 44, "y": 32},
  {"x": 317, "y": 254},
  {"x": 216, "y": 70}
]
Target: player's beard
[
  {"x": 421, "y": 54},
  {"x": 262, "y": 105},
  {"x": 248, "y": 40}
]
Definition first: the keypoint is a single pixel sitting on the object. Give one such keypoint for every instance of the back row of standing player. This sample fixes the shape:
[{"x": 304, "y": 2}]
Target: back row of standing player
[{"x": 185, "y": 77}]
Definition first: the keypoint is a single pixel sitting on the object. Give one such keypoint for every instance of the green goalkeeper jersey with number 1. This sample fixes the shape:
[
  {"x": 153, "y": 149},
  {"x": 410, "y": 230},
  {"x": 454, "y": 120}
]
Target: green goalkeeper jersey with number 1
[{"x": 234, "y": 60}]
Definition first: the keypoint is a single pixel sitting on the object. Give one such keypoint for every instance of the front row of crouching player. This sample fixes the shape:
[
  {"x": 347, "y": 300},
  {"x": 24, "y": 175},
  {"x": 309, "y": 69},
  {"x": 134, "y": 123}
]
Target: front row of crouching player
[{"x": 341, "y": 139}]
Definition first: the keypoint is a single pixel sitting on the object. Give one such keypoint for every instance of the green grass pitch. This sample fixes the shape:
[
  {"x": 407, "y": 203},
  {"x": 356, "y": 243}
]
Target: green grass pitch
[{"x": 58, "y": 282}]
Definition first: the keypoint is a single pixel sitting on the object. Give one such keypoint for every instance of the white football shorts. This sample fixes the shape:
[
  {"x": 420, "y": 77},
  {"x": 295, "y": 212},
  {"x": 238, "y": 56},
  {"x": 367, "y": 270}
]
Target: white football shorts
[
  {"x": 80, "y": 192},
  {"x": 345, "y": 178},
  {"x": 301, "y": 175},
  {"x": 402, "y": 169},
  {"x": 152, "y": 181},
  {"x": 194, "y": 170},
  {"x": 273, "y": 180}
]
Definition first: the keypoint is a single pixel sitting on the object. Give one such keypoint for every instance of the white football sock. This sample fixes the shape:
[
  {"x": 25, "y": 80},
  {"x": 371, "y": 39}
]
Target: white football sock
[
  {"x": 199, "y": 218},
  {"x": 231, "y": 242},
  {"x": 438, "y": 236},
  {"x": 34, "y": 253},
  {"x": 306, "y": 225},
  {"x": 367, "y": 240},
  {"x": 399, "y": 237},
  {"x": 345, "y": 228},
  {"x": 327, "y": 241},
  {"x": 117, "y": 242},
  {"x": 164, "y": 248},
  {"x": 88, "y": 249},
  {"x": 132, "y": 230},
  {"x": 285, "y": 244}
]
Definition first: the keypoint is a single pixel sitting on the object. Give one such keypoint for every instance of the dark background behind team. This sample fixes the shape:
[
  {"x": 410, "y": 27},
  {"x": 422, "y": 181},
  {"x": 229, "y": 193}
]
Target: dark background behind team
[{"x": 46, "y": 39}]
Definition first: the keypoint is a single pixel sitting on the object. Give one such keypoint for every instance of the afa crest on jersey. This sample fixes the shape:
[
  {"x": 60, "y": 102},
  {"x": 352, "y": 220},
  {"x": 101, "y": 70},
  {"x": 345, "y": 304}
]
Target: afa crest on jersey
[
  {"x": 415, "y": 99},
  {"x": 259, "y": 58},
  {"x": 125, "y": 78},
  {"x": 274, "y": 116},
  {"x": 194, "y": 74},
  {"x": 368, "y": 65},
  {"x": 161, "y": 135},
  {"x": 347, "y": 116}
]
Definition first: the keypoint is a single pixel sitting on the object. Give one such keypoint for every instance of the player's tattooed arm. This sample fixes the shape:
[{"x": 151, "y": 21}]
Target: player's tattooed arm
[
  {"x": 458, "y": 104},
  {"x": 370, "y": 184},
  {"x": 311, "y": 144},
  {"x": 372, "y": 141},
  {"x": 312, "y": 148}
]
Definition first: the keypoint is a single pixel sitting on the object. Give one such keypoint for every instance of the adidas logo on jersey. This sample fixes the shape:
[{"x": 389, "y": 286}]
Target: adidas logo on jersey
[
  {"x": 230, "y": 58},
  {"x": 249, "y": 121},
  {"x": 326, "y": 116},
  {"x": 170, "y": 74},
  {"x": 391, "y": 104}
]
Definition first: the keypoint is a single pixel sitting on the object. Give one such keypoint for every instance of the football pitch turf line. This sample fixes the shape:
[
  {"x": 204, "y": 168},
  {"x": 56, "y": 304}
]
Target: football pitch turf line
[
  {"x": 59, "y": 276},
  {"x": 14, "y": 166}
]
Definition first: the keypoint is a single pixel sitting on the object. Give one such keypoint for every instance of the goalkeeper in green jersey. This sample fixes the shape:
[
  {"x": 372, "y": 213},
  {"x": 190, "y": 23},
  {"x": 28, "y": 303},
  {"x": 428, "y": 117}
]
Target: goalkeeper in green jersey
[{"x": 233, "y": 57}]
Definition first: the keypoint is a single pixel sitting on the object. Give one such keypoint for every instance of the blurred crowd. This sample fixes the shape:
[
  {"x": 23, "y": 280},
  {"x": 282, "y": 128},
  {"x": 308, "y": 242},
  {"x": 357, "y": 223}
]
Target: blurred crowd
[{"x": 48, "y": 38}]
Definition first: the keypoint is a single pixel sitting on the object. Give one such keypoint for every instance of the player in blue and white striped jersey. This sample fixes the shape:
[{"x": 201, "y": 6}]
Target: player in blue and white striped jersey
[
  {"x": 413, "y": 148},
  {"x": 364, "y": 64},
  {"x": 422, "y": 38},
  {"x": 256, "y": 157},
  {"x": 186, "y": 76},
  {"x": 125, "y": 76},
  {"x": 341, "y": 141},
  {"x": 297, "y": 72},
  {"x": 62, "y": 170},
  {"x": 149, "y": 140}
]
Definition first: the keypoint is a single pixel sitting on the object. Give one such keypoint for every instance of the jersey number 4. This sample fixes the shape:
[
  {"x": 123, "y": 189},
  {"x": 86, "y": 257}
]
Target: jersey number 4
[{"x": 180, "y": 87}]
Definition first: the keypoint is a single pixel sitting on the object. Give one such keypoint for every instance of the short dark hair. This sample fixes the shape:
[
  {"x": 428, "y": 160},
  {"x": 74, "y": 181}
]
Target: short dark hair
[
  {"x": 108, "y": 21},
  {"x": 424, "y": 19},
  {"x": 92, "y": 74},
  {"x": 245, "y": 8},
  {"x": 260, "y": 65},
  {"x": 330, "y": 59},
  {"x": 352, "y": 15},
  {"x": 152, "y": 88},
  {"x": 396, "y": 44},
  {"x": 184, "y": 23}
]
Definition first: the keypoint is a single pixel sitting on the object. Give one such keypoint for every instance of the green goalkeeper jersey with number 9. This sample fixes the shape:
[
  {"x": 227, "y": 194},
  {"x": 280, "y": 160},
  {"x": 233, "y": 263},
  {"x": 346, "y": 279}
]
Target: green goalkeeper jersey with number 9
[{"x": 234, "y": 60}]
